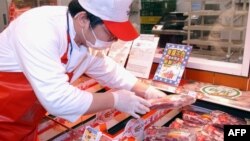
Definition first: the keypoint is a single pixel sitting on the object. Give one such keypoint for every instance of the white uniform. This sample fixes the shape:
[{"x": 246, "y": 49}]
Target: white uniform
[{"x": 34, "y": 44}]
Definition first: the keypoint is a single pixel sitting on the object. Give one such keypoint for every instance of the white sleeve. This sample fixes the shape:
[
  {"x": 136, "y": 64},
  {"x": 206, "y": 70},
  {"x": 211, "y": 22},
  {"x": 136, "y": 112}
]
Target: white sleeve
[
  {"x": 108, "y": 73},
  {"x": 38, "y": 53}
]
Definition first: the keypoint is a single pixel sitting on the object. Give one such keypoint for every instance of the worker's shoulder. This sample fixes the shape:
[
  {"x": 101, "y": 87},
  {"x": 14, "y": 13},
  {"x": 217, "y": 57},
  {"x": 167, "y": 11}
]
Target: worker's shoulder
[
  {"x": 44, "y": 16},
  {"x": 46, "y": 12}
]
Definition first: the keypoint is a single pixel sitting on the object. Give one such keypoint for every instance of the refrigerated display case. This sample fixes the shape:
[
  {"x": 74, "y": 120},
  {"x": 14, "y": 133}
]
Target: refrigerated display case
[{"x": 114, "y": 125}]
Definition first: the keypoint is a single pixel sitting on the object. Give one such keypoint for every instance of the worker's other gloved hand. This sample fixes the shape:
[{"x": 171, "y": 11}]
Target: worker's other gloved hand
[
  {"x": 153, "y": 93},
  {"x": 128, "y": 102}
]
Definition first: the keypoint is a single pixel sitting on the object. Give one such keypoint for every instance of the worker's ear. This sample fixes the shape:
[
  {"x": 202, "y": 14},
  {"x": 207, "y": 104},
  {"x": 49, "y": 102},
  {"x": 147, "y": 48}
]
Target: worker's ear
[{"x": 82, "y": 19}]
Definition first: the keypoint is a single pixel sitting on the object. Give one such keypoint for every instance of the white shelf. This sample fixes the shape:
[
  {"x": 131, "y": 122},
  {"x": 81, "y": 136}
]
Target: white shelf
[
  {"x": 169, "y": 32},
  {"x": 213, "y": 28},
  {"x": 213, "y": 13},
  {"x": 224, "y": 29},
  {"x": 212, "y": 43},
  {"x": 213, "y": 1},
  {"x": 204, "y": 13}
]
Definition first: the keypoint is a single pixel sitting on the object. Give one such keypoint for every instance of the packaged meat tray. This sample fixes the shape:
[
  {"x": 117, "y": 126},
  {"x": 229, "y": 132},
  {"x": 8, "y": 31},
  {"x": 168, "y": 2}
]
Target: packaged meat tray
[
  {"x": 168, "y": 134},
  {"x": 221, "y": 118},
  {"x": 172, "y": 101},
  {"x": 196, "y": 117},
  {"x": 202, "y": 132},
  {"x": 179, "y": 123},
  {"x": 215, "y": 134}
]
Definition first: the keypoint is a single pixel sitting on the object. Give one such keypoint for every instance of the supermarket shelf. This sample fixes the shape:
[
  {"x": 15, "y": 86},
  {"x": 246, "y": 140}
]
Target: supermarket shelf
[
  {"x": 169, "y": 32},
  {"x": 213, "y": 43},
  {"x": 241, "y": 12},
  {"x": 213, "y": 13},
  {"x": 204, "y": 13},
  {"x": 214, "y": 28},
  {"x": 214, "y": 1}
]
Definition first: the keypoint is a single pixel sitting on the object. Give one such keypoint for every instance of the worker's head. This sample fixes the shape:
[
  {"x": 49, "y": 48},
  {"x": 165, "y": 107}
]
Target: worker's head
[{"x": 100, "y": 22}]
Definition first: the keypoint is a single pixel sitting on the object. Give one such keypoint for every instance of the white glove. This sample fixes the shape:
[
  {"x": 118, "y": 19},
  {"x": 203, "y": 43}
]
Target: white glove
[
  {"x": 128, "y": 102},
  {"x": 153, "y": 93}
]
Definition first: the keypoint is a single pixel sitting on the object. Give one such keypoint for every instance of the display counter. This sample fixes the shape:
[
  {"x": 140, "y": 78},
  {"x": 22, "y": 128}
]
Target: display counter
[{"x": 114, "y": 125}]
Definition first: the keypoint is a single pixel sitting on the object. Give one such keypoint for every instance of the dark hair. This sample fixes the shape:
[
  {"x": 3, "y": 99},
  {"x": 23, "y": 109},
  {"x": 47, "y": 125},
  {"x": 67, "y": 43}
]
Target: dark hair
[{"x": 74, "y": 7}]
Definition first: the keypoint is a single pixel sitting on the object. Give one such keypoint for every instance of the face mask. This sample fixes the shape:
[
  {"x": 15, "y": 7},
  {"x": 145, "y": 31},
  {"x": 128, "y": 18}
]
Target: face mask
[{"x": 99, "y": 44}]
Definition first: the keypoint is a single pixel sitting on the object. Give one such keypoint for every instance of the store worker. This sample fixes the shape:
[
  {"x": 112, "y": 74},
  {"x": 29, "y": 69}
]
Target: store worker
[{"x": 47, "y": 48}]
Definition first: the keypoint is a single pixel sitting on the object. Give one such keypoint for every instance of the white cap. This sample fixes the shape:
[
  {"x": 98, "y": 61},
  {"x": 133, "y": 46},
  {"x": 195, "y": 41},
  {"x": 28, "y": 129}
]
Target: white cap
[{"x": 115, "y": 15}]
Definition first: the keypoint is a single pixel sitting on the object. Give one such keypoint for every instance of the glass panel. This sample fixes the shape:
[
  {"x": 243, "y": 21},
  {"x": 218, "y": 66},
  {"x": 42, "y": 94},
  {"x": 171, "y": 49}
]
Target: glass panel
[{"x": 215, "y": 28}]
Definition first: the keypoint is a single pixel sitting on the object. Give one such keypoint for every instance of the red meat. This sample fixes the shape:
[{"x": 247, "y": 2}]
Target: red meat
[{"x": 172, "y": 101}]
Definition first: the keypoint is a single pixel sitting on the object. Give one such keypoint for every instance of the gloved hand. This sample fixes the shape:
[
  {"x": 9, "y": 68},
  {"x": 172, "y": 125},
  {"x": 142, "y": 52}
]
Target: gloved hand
[
  {"x": 153, "y": 93},
  {"x": 128, "y": 102}
]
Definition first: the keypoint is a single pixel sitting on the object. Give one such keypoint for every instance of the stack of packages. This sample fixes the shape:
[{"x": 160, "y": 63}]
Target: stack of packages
[{"x": 194, "y": 126}]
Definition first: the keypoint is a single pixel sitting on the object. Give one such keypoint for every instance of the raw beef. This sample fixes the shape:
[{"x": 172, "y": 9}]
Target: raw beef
[
  {"x": 213, "y": 132},
  {"x": 221, "y": 118},
  {"x": 168, "y": 134},
  {"x": 196, "y": 117},
  {"x": 172, "y": 101},
  {"x": 179, "y": 123}
]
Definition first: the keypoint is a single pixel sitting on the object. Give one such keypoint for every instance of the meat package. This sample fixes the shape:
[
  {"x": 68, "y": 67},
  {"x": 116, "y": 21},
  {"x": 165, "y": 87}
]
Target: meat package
[
  {"x": 155, "y": 133},
  {"x": 171, "y": 101},
  {"x": 207, "y": 125},
  {"x": 179, "y": 123},
  {"x": 196, "y": 117},
  {"x": 214, "y": 133},
  {"x": 221, "y": 118},
  {"x": 203, "y": 132}
]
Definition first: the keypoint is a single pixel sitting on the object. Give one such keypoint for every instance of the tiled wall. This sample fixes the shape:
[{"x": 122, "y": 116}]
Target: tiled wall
[{"x": 243, "y": 83}]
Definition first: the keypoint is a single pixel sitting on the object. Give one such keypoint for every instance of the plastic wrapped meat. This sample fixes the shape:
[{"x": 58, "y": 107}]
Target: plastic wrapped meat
[
  {"x": 200, "y": 136},
  {"x": 168, "y": 134},
  {"x": 203, "y": 132},
  {"x": 172, "y": 101},
  {"x": 221, "y": 118},
  {"x": 213, "y": 132},
  {"x": 196, "y": 117},
  {"x": 179, "y": 123}
]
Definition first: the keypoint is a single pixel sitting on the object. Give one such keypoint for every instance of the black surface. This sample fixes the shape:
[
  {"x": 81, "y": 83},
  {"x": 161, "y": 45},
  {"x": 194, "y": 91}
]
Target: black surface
[
  {"x": 101, "y": 91},
  {"x": 121, "y": 125},
  {"x": 212, "y": 106}
]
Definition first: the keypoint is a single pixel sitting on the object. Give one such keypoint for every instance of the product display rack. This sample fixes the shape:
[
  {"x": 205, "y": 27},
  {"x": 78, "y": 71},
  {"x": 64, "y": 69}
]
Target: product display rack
[
  {"x": 114, "y": 128},
  {"x": 211, "y": 25}
]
